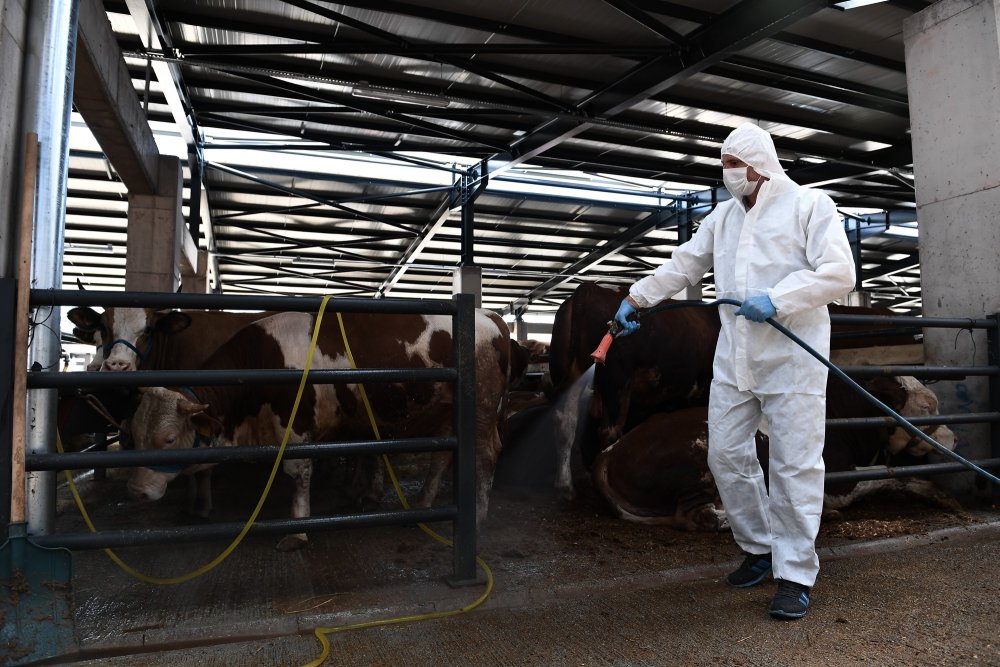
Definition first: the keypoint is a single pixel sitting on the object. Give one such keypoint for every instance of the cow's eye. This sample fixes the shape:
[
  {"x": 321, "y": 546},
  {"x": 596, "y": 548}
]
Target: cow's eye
[{"x": 170, "y": 440}]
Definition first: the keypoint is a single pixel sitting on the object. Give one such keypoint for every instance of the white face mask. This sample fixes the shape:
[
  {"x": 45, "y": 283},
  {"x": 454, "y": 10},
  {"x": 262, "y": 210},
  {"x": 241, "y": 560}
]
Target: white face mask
[{"x": 736, "y": 182}]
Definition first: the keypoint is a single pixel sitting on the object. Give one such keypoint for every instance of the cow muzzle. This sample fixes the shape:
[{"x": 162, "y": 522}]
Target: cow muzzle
[{"x": 147, "y": 485}]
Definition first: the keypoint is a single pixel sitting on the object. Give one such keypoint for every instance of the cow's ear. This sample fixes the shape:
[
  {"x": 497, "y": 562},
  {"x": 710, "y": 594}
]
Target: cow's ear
[
  {"x": 171, "y": 322},
  {"x": 889, "y": 390},
  {"x": 85, "y": 335},
  {"x": 86, "y": 318},
  {"x": 207, "y": 425}
]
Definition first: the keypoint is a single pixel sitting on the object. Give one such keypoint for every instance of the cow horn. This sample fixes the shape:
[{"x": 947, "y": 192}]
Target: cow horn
[{"x": 185, "y": 405}]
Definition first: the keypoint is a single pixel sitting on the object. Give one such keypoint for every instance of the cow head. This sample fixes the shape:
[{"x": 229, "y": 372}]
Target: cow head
[
  {"x": 165, "y": 419},
  {"x": 91, "y": 337},
  {"x": 127, "y": 334},
  {"x": 920, "y": 402}
]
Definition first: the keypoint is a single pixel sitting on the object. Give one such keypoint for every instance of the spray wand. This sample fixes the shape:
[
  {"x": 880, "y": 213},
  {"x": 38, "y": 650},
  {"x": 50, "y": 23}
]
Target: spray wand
[{"x": 601, "y": 353}]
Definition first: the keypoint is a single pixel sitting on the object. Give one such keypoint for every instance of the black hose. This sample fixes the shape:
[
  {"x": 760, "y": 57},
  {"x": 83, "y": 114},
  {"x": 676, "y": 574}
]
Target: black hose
[{"x": 907, "y": 426}]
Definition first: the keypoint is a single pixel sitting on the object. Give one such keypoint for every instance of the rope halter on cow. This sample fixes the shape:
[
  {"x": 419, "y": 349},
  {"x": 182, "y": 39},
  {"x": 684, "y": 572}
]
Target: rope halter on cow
[{"x": 141, "y": 356}]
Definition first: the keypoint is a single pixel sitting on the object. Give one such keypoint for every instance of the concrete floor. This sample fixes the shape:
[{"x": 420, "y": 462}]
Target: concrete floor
[{"x": 902, "y": 583}]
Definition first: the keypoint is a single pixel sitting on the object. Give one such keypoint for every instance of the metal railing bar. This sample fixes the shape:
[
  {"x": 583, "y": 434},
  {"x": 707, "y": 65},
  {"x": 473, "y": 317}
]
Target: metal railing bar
[
  {"x": 911, "y": 321},
  {"x": 308, "y": 304},
  {"x": 98, "y": 379},
  {"x": 865, "y": 422},
  {"x": 934, "y": 372},
  {"x": 265, "y": 453},
  {"x": 225, "y": 531},
  {"x": 879, "y": 472}
]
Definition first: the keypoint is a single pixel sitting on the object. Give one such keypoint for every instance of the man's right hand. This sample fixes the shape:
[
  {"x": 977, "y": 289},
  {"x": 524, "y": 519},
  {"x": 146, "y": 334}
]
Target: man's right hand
[{"x": 625, "y": 311}]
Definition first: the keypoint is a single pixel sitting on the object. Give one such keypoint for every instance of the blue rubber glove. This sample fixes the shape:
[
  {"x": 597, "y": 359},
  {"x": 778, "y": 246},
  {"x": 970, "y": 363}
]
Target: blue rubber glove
[
  {"x": 757, "y": 308},
  {"x": 625, "y": 311}
]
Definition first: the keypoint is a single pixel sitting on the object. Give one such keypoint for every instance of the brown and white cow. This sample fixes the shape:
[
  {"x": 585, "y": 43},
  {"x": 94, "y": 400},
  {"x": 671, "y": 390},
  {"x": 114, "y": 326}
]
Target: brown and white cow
[
  {"x": 658, "y": 472},
  {"x": 150, "y": 339},
  {"x": 848, "y": 449},
  {"x": 241, "y": 415},
  {"x": 165, "y": 339}
]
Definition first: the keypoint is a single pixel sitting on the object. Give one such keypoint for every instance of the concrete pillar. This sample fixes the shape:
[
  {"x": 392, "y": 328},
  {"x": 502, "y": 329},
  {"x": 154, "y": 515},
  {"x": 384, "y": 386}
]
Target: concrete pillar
[
  {"x": 155, "y": 233},
  {"x": 692, "y": 293},
  {"x": 469, "y": 280},
  {"x": 197, "y": 282},
  {"x": 861, "y": 299},
  {"x": 953, "y": 81},
  {"x": 13, "y": 22}
]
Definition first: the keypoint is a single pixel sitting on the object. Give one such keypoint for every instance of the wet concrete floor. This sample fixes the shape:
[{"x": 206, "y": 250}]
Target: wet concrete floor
[{"x": 902, "y": 583}]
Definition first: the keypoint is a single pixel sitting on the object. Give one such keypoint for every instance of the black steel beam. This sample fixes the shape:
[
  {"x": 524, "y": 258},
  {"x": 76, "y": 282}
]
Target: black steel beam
[
  {"x": 730, "y": 32},
  {"x": 790, "y": 79},
  {"x": 651, "y": 23}
]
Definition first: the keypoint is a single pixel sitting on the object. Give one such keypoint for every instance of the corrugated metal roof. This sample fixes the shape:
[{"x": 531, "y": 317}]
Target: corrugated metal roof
[{"x": 347, "y": 186}]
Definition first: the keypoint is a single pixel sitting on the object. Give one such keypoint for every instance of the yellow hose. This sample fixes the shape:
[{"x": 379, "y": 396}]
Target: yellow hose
[{"x": 322, "y": 632}]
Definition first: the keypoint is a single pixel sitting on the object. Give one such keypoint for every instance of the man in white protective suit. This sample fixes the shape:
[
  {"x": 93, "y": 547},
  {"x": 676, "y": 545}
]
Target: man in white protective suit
[{"x": 781, "y": 250}]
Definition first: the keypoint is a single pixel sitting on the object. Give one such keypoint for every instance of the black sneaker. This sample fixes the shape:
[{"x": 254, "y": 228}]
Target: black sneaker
[
  {"x": 791, "y": 600},
  {"x": 753, "y": 570}
]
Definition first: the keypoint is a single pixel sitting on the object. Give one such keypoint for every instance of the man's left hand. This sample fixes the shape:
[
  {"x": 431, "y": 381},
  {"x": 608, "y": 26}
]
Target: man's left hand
[{"x": 757, "y": 308}]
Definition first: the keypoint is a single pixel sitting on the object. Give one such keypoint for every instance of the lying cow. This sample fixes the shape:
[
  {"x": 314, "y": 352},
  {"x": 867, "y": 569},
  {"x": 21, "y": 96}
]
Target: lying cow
[
  {"x": 658, "y": 472},
  {"x": 848, "y": 449},
  {"x": 241, "y": 415}
]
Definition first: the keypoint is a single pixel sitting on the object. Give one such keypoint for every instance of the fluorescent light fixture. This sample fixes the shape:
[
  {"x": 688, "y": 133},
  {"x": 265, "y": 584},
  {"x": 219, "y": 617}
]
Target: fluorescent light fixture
[
  {"x": 102, "y": 248},
  {"x": 400, "y": 96},
  {"x": 899, "y": 230},
  {"x": 854, "y": 4}
]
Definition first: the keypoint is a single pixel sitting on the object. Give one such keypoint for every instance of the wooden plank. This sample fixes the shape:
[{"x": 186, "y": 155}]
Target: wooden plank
[{"x": 880, "y": 355}]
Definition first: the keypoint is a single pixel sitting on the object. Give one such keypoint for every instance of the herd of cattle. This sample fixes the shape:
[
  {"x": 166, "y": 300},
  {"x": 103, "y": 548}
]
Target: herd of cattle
[{"x": 636, "y": 425}]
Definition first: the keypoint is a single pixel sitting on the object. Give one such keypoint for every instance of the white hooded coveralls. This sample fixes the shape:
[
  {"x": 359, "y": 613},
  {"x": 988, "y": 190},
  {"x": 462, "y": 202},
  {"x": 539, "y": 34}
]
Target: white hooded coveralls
[{"x": 792, "y": 247}]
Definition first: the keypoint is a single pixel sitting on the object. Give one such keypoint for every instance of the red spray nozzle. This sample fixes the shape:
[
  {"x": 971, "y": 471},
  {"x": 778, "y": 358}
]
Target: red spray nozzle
[{"x": 601, "y": 353}]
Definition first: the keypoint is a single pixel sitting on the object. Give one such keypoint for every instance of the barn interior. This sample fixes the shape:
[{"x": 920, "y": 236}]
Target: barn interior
[{"x": 511, "y": 150}]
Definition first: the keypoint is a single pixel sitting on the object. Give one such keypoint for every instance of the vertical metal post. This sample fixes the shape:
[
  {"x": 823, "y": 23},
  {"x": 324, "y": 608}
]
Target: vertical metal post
[
  {"x": 49, "y": 69},
  {"x": 468, "y": 219},
  {"x": 993, "y": 342},
  {"x": 858, "y": 278},
  {"x": 464, "y": 469},
  {"x": 194, "y": 196}
]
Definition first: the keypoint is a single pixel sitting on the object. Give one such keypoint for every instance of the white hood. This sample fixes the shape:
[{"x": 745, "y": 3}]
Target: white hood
[{"x": 755, "y": 147}]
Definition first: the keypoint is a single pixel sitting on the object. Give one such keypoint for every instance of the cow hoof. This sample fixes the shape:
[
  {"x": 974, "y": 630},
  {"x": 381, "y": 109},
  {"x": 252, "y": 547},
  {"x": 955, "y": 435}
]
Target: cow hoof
[{"x": 292, "y": 543}]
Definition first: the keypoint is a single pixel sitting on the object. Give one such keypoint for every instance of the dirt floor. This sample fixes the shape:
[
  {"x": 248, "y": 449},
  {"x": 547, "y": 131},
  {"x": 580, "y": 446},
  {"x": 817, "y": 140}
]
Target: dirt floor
[{"x": 903, "y": 582}]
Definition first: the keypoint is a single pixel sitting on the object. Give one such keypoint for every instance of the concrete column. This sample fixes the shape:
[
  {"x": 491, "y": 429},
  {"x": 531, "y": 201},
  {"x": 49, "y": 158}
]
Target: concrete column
[
  {"x": 469, "y": 280},
  {"x": 953, "y": 81},
  {"x": 197, "y": 282},
  {"x": 13, "y": 22},
  {"x": 692, "y": 293},
  {"x": 155, "y": 233},
  {"x": 861, "y": 299},
  {"x": 520, "y": 329}
]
